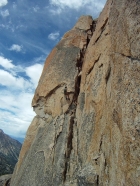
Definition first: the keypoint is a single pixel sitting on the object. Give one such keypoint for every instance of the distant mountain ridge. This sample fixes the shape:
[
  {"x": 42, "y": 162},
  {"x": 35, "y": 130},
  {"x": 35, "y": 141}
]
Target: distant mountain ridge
[
  {"x": 21, "y": 140},
  {"x": 9, "y": 152}
]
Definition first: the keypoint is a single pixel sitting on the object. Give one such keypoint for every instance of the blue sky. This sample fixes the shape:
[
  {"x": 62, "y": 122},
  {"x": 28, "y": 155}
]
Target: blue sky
[{"x": 28, "y": 32}]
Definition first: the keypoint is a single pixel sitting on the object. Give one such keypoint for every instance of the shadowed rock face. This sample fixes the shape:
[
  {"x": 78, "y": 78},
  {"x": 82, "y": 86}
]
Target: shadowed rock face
[{"x": 89, "y": 134}]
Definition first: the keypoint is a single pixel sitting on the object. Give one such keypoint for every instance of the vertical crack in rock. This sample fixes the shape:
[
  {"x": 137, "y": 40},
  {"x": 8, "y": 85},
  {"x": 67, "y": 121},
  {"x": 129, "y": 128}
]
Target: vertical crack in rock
[
  {"x": 69, "y": 146},
  {"x": 80, "y": 60},
  {"x": 77, "y": 88},
  {"x": 108, "y": 74},
  {"x": 97, "y": 180},
  {"x": 57, "y": 135},
  {"x": 90, "y": 31},
  {"x": 72, "y": 108},
  {"x": 100, "y": 147}
]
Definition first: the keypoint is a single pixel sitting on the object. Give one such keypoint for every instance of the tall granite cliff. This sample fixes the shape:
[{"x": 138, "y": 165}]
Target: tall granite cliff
[{"x": 87, "y": 126}]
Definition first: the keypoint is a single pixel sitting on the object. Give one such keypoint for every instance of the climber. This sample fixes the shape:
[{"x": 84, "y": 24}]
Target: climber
[
  {"x": 79, "y": 63},
  {"x": 91, "y": 28},
  {"x": 66, "y": 93}
]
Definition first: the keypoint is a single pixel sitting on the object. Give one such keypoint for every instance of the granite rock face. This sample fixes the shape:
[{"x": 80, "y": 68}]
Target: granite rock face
[{"x": 87, "y": 128}]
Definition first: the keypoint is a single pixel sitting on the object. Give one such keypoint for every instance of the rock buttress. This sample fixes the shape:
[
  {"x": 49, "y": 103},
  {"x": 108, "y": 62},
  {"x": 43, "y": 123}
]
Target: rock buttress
[
  {"x": 89, "y": 135},
  {"x": 46, "y": 154},
  {"x": 108, "y": 109}
]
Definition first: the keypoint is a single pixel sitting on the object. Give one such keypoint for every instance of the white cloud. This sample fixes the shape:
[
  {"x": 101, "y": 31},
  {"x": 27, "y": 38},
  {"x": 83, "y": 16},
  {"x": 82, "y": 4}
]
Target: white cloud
[
  {"x": 9, "y": 75},
  {"x": 9, "y": 80},
  {"x": 78, "y": 4},
  {"x": 17, "y": 113},
  {"x": 15, "y": 99},
  {"x": 5, "y": 13},
  {"x": 3, "y": 2},
  {"x": 68, "y": 3},
  {"x": 53, "y": 36},
  {"x": 41, "y": 59},
  {"x": 34, "y": 73},
  {"x": 16, "y": 48},
  {"x": 6, "y": 63},
  {"x": 55, "y": 11},
  {"x": 8, "y": 26},
  {"x": 6, "y": 79}
]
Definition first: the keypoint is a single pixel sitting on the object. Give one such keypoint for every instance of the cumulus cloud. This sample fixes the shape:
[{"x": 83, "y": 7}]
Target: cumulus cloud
[
  {"x": 6, "y": 79},
  {"x": 15, "y": 104},
  {"x": 76, "y": 4},
  {"x": 16, "y": 93},
  {"x": 9, "y": 80},
  {"x": 5, "y": 13},
  {"x": 34, "y": 73},
  {"x": 54, "y": 36},
  {"x": 90, "y": 7},
  {"x": 16, "y": 48},
  {"x": 6, "y": 63},
  {"x": 3, "y": 2},
  {"x": 69, "y": 3},
  {"x": 16, "y": 113}
]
